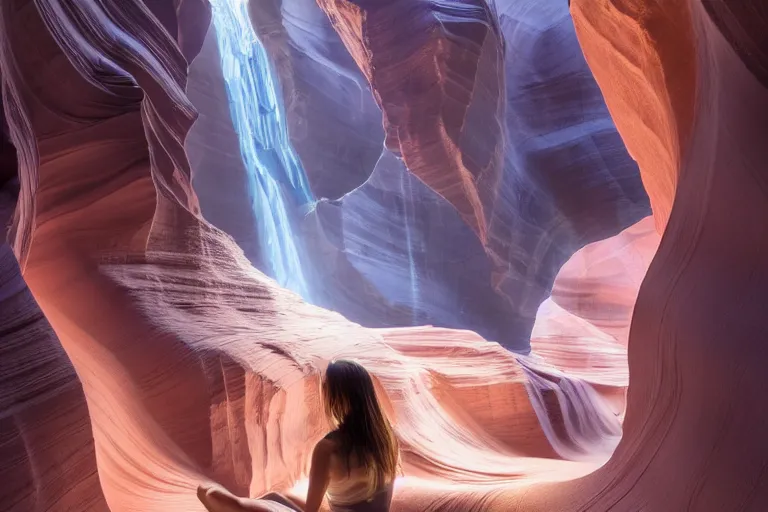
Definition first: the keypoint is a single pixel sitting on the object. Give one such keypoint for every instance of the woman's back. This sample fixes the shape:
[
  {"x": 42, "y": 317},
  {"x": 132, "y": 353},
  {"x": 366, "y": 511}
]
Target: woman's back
[{"x": 351, "y": 487}]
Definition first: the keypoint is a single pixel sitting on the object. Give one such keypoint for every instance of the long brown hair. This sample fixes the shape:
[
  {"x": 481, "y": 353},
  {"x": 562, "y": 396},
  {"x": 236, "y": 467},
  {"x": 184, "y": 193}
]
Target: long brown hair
[{"x": 362, "y": 429}]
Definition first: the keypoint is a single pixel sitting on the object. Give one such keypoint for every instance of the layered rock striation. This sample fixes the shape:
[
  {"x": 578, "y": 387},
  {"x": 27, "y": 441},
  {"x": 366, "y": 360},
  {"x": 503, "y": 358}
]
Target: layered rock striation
[
  {"x": 692, "y": 106},
  {"x": 46, "y": 441},
  {"x": 195, "y": 365},
  {"x": 492, "y": 109}
]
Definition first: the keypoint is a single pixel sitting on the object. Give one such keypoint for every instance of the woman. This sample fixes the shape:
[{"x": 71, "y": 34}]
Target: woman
[{"x": 354, "y": 465}]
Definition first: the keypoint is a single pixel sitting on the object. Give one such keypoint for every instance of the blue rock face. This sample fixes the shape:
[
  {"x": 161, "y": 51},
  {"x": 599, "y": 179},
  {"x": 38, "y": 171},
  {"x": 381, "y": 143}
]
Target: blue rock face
[
  {"x": 318, "y": 202},
  {"x": 414, "y": 260},
  {"x": 568, "y": 179}
]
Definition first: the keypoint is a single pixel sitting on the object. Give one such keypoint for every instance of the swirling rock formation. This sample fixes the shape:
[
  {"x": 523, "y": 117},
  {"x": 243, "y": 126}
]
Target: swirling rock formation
[
  {"x": 195, "y": 365},
  {"x": 695, "y": 349},
  {"x": 583, "y": 328},
  {"x": 333, "y": 121},
  {"x": 600, "y": 282},
  {"x": 46, "y": 442},
  {"x": 410, "y": 247},
  {"x": 546, "y": 175},
  {"x": 665, "y": 75}
]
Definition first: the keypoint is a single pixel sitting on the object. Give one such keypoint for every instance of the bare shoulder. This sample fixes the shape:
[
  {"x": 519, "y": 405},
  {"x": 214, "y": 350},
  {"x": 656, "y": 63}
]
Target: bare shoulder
[
  {"x": 321, "y": 459},
  {"x": 324, "y": 448}
]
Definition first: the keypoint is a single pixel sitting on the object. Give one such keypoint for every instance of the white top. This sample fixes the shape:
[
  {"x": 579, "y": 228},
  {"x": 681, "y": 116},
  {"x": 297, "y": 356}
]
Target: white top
[{"x": 348, "y": 487}]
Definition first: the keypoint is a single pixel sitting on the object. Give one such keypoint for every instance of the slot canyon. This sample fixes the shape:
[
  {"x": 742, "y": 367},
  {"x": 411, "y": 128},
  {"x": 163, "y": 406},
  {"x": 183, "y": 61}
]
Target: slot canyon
[{"x": 528, "y": 219}]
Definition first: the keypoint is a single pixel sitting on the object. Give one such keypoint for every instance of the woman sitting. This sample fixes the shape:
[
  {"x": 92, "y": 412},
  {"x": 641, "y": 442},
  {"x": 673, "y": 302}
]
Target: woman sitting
[{"x": 354, "y": 465}]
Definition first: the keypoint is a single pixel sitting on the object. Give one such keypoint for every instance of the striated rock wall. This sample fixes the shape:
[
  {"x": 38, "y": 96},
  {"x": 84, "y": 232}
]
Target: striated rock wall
[
  {"x": 694, "y": 412},
  {"x": 694, "y": 340},
  {"x": 653, "y": 105},
  {"x": 523, "y": 118},
  {"x": 492, "y": 106},
  {"x": 333, "y": 120},
  {"x": 196, "y": 366},
  {"x": 600, "y": 282},
  {"x": 46, "y": 443}
]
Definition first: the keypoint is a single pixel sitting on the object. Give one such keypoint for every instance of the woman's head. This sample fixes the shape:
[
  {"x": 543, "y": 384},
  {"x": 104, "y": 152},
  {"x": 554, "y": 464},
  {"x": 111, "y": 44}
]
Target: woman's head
[{"x": 363, "y": 430}]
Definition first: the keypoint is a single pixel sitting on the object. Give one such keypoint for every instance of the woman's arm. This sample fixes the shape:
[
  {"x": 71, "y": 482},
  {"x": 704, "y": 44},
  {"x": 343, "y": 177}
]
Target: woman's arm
[{"x": 319, "y": 474}]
